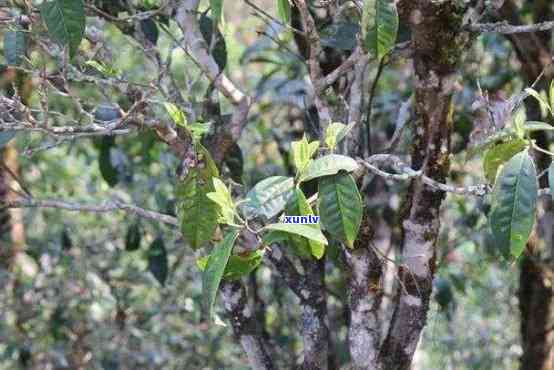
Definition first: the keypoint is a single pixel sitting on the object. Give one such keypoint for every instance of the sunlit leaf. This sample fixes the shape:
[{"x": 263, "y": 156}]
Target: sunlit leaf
[
  {"x": 328, "y": 165},
  {"x": 302, "y": 153},
  {"x": 498, "y": 154},
  {"x": 222, "y": 198},
  {"x": 283, "y": 10},
  {"x": 305, "y": 231},
  {"x": 269, "y": 197}
]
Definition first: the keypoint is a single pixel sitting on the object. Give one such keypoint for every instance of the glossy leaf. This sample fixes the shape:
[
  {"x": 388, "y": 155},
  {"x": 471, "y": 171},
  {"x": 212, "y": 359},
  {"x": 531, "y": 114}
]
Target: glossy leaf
[
  {"x": 305, "y": 231},
  {"x": 65, "y": 21},
  {"x": 379, "y": 26},
  {"x": 269, "y": 197},
  {"x": 513, "y": 204},
  {"x": 340, "y": 207},
  {"x": 498, "y": 155},
  {"x": 157, "y": 260},
  {"x": 328, "y": 165},
  {"x": 215, "y": 268},
  {"x": 14, "y": 46}
]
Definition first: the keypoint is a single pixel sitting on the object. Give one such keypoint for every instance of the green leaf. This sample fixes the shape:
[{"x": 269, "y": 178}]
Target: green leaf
[
  {"x": 5, "y": 137},
  {"x": 157, "y": 260},
  {"x": 545, "y": 106},
  {"x": 103, "y": 68},
  {"x": 176, "y": 114},
  {"x": 283, "y": 10},
  {"x": 132, "y": 239},
  {"x": 217, "y": 10},
  {"x": 107, "y": 169},
  {"x": 275, "y": 237},
  {"x": 332, "y": 134},
  {"x": 238, "y": 265},
  {"x": 302, "y": 153},
  {"x": 328, "y": 165},
  {"x": 198, "y": 214},
  {"x": 222, "y": 198},
  {"x": 379, "y": 26},
  {"x": 532, "y": 126},
  {"x": 551, "y": 179},
  {"x": 65, "y": 21},
  {"x": 213, "y": 273},
  {"x": 498, "y": 154},
  {"x": 269, "y": 197},
  {"x": 299, "y": 206},
  {"x": 513, "y": 204},
  {"x": 340, "y": 207},
  {"x": 498, "y": 137},
  {"x": 305, "y": 231},
  {"x": 14, "y": 46}
]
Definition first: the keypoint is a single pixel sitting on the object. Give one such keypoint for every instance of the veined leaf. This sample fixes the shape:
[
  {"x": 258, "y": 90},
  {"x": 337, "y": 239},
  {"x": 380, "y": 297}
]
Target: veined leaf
[
  {"x": 238, "y": 265},
  {"x": 222, "y": 198},
  {"x": 213, "y": 273},
  {"x": 513, "y": 204},
  {"x": 283, "y": 10},
  {"x": 65, "y": 21},
  {"x": 340, "y": 207},
  {"x": 305, "y": 231},
  {"x": 198, "y": 214},
  {"x": 328, "y": 165},
  {"x": 14, "y": 46},
  {"x": 379, "y": 26},
  {"x": 157, "y": 260},
  {"x": 498, "y": 154},
  {"x": 299, "y": 206},
  {"x": 269, "y": 197},
  {"x": 302, "y": 153}
]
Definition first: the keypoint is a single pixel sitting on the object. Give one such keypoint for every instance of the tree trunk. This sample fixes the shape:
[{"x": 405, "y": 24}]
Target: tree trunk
[{"x": 437, "y": 46}]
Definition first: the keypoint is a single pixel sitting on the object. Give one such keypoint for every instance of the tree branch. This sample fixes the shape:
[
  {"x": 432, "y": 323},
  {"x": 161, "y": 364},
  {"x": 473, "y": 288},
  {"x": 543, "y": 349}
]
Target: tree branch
[
  {"x": 508, "y": 29},
  {"x": 105, "y": 207}
]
